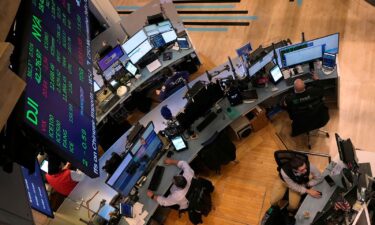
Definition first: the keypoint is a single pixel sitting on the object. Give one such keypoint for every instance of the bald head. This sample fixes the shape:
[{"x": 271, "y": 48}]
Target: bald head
[{"x": 299, "y": 86}]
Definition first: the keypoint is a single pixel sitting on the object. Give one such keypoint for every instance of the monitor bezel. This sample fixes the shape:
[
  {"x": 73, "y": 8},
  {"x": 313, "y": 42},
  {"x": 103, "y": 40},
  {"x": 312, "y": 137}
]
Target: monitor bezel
[
  {"x": 272, "y": 77},
  {"x": 113, "y": 49},
  {"x": 283, "y": 47},
  {"x": 122, "y": 46},
  {"x": 130, "y": 58}
]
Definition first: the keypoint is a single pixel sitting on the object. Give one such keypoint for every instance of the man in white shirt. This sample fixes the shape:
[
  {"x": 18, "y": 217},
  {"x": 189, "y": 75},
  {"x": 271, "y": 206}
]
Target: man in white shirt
[{"x": 180, "y": 187}]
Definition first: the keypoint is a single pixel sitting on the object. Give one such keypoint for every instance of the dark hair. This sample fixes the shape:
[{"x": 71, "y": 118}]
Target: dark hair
[
  {"x": 180, "y": 181},
  {"x": 296, "y": 162}
]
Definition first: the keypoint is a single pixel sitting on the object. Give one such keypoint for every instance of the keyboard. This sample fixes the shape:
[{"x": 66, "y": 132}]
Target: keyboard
[
  {"x": 207, "y": 120},
  {"x": 304, "y": 76},
  {"x": 156, "y": 178}
]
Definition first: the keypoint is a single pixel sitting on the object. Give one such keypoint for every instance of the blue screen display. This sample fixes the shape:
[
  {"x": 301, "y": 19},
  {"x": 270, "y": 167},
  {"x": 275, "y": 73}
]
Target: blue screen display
[
  {"x": 114, "y": 55},
  {"x": 132, "y": 168},
  {"x": 36, "y": 191},
  {"x": 59, "y": 97}
]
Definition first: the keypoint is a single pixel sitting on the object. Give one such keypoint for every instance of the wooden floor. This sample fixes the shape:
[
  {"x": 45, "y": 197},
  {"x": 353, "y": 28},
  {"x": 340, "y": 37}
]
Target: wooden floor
[{"x": 243, "y": 190}]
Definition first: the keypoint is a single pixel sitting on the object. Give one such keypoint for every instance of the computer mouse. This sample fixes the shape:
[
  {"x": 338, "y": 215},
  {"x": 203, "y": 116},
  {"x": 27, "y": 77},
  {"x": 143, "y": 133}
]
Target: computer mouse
[{"x": 169, "y": 154}]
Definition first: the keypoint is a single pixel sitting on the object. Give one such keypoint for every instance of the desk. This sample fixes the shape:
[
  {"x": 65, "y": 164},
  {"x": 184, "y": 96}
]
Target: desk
[
  {"x": 146, "y": 75},
  {"x": 87, "y": 187},
  {"x": 313, "y": 205}
]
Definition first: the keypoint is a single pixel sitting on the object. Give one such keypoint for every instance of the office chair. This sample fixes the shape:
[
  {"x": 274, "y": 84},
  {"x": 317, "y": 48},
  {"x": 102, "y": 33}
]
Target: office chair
[{"x": 309, "y": 117}]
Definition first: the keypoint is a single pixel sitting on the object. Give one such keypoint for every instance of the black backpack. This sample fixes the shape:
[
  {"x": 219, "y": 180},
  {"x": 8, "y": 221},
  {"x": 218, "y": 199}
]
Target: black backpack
[{"x": 199, "y": 196}]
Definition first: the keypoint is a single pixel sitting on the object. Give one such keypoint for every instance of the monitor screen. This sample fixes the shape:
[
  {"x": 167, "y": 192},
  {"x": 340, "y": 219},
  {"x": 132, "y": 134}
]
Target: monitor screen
[
  {"x": 105, "y": 212},
  {"x": 151, "y": 30},
  {"x": 140, "y": 51},
  {"x": 347, "y": 153},
  {"x": 120, "y": 169},
  {"x": 276, "y": 74},
  {"x": 145, "y": 150},
  {"x": 114, "y": 55},
  {"x": 329, "y": 60},
  {"x": 178, "y": 143},
  {"x": 44, "y": 166},
  {"x": 56, "y": 62},
  {"x": 158, "y": 41},
  {"x": 183, "y": 43},
  {"x": 328, "y": 44},
  {"x": 169, "y": 36},
  {"x": 165, "y": 23},
  {"x": 131, "y": 68},
  {"x": 137, "y": 39},
  {"x": 261, "y": 63},
  {"x": 303, "y": 55},
  {"x": 36, "y": 190},
  {"x": 96, "y": 86}
]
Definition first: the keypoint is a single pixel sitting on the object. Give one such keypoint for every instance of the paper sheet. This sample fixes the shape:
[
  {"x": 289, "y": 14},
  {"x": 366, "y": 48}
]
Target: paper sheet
[{"x": 153, "y": 66}]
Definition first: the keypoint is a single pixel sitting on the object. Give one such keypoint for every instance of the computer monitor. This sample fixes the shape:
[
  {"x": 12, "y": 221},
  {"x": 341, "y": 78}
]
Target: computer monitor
[
  {"x": 179, "y": 143},
  {"x": 140, "y": 51},
  {"x": 133, "y": 42},
  {"x": 133, "y": 167},
  {"x": 131, "y": 68},
  {"x": 261, "y": 63},
  {"x": 164, "y": 26},
  {"x": 158, "y": 41},
  {"x": 347, "y": 153},
  {"x": 329, "y": 43},
  {"x": 276, "y": 74},
  {"x": 36, "y": 191},
  {"x": 115, "y": 54},
  {"x": 183, "y": 43},
  {"x": 114, "y": 181},
  {"x": 151, "y": 30},
  {"x": 329, "y": 60},
  {"x": 303, "y": 55},
  {"x": 169, "y": 36},
  {"x": 96, "y": 86},
  {"x": 105, "y": 212}
]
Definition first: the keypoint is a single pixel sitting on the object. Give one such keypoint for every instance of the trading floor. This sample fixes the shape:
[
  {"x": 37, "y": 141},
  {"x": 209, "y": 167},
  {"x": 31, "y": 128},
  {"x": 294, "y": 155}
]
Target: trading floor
[{"x": 243, "y": 190}]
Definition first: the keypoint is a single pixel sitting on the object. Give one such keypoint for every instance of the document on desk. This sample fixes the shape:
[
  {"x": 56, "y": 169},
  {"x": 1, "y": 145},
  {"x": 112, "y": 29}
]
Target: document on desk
[
  {"x": 139, "y": 216},
  {"x": 153, "y": 66}
]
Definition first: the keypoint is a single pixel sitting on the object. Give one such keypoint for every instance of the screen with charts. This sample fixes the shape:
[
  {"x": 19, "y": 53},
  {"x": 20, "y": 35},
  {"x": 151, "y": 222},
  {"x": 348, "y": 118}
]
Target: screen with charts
[
  {"x": 36, "y": 190},
  {"x": 140, "y": 51},
  {"x": 133, "y": 167},
  {"x": 303, "y": 55},
  {"x": 115, "y": 54},
  {"x": 134, "y": 41},
  {"x": 329, "y": 43},
  {"x": 158, "y": 41},
  {"x": 169, "y": 36},
  {"x": 55, "y": 61}
]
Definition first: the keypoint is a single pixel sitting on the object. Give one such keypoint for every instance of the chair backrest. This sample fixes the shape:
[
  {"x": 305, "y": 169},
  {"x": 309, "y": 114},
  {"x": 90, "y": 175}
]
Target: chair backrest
[
  {"x": 308, "y": 116},
  {"x": 284, "y": 156}
]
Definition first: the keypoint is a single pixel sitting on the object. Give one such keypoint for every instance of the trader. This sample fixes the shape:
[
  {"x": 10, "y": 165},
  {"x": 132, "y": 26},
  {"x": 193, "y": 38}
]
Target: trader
[
  {"x": 180, "y": 187},
  {"x": 63, "y": 179},
  {"x": 295, "y": 176},
  {"x": 302, "y": 94}
]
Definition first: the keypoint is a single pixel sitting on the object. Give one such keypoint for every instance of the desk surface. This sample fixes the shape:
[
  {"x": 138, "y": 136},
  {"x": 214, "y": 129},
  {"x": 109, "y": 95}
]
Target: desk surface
[
  {"x": 314, "y": 205},
  {"x": 146, "y": 75}
]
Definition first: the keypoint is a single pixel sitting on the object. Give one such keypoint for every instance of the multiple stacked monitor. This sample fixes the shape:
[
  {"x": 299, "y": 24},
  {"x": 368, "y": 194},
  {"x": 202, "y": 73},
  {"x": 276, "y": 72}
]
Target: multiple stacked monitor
[
  {"x": 288, "y": 56},
  {"x": 153, "y": 36},
  {"x": 136, "y": 162}
]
